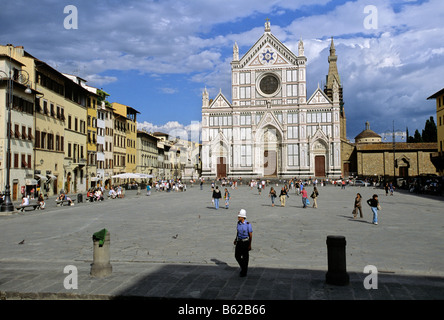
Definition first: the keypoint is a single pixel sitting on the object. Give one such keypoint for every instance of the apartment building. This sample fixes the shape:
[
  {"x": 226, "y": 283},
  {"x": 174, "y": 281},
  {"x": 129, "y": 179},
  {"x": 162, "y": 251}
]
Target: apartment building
[
  {"x": 21, "y": 161},
  {"x": 130, "y": 116},
  {"x": 147, "y": 153}
]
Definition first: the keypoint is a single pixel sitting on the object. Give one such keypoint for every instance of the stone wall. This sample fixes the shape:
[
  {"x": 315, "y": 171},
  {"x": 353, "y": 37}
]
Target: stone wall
[{"x": 412, "y": 159}]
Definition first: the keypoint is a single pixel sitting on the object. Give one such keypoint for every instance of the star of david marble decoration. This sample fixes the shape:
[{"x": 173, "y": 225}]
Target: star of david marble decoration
[{"x": 267, "y": 56}]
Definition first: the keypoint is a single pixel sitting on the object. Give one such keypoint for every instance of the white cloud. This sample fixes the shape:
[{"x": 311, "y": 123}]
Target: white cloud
[
  {"x": 98, "y": 80},
  {"x": 174, "y": 129},
  {"x": 169, "y": 90}
]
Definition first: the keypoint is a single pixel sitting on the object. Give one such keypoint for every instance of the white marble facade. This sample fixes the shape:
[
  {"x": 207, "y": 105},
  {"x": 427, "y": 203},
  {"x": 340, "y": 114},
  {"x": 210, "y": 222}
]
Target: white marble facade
[{"x": 271, "y": 129}]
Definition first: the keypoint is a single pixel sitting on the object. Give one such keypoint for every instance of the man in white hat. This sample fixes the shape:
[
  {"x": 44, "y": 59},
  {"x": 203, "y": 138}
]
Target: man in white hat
[{"x": 243, "y": 241}]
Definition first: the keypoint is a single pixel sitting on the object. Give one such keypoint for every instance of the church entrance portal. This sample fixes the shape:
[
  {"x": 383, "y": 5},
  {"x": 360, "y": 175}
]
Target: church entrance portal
[
  {"x": 221, "y": 167},
  {"x": 320, "y": 166}
]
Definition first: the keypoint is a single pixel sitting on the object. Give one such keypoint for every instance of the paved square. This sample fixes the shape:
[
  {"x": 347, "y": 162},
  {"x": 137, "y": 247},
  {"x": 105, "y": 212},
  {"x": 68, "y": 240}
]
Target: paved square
[{"x": 177, "y": 245}]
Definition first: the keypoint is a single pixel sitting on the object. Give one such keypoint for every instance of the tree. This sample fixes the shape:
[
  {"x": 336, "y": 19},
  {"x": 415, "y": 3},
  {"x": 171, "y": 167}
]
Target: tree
[
  {"x": 417, "y": 137},
  {"x": 409, "y": 137},
  {"x": 430, "y": 134}
]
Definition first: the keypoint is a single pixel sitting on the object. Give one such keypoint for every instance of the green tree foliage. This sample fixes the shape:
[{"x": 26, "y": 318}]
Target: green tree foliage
[
  {"x": 417, "y": 137},
  {"x": 429, "y": 134},
  {"x": 103, "y": 96}
]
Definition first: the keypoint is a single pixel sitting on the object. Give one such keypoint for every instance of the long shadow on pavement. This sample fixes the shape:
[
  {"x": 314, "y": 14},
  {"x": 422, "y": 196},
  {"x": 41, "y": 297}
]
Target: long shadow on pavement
[{"x": 222, "y": 282}]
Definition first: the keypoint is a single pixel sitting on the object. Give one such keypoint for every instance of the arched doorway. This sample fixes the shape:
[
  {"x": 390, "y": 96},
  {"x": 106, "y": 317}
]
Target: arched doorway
[
  {"x": 220, "y": 153},
  {"x": 319, "y": 151},
  {"x": 404, "y": 165},
  {"x": 68, "y": 183}
]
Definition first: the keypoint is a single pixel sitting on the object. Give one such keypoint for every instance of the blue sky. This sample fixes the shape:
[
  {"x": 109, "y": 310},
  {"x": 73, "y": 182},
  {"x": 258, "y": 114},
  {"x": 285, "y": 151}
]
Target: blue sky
[{"x": 158, "y": 56}]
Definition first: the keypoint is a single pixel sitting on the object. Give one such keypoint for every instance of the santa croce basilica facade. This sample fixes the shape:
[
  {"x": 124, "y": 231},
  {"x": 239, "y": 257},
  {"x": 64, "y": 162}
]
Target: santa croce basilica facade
[{"x": 272, "y": 128}]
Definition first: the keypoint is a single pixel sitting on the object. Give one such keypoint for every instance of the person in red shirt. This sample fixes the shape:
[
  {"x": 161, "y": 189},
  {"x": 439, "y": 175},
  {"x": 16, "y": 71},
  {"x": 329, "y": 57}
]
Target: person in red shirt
[{"x": 304, "y": 197}]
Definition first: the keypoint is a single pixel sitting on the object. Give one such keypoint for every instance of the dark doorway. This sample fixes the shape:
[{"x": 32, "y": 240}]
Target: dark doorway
[
  {"x": 221, "y": 167},
  {"x": 404, "y": 172},
  {"x": 320, "y": 166}
]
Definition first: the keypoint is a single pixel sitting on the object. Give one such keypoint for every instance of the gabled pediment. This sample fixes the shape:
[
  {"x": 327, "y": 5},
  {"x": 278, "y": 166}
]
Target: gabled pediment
[
  {"x": 220, "y": 102},
  {"x": 220, "y": 143},
  {"x": 268, "y": 51},
  {"x": 319, "y": 136},
  {"x": 318, "y": 97},
  {"x": 269, "y": 119},
  {"x": 403, "y": 158}
]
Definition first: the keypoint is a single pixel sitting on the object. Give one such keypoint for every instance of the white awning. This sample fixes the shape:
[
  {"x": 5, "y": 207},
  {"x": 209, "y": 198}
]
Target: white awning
[
  {"x": 132, "y": 176},
  {"x": 42, "y": 178},
  {"x": 31, "y": 182},
  {"x": 53, "y": 177}
]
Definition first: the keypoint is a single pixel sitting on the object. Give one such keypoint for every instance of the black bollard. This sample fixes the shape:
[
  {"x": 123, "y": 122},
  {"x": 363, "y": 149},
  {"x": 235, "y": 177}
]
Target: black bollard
[{"x": 337, "y": 271}]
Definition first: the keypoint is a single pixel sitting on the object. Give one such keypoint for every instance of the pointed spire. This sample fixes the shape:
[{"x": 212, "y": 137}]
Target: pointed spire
[
  {"x": 205, "y": 99},
  {"x": 332, "y": 48},
  {"x": 333, "y": 69},
  {"x": 301, "y": 48},
  {"x": 235, "y": 52}
]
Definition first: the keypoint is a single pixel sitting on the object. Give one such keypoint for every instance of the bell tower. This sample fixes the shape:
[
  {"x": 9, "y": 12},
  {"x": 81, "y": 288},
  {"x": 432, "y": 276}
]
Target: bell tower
[{"x": 333, "y": 85}]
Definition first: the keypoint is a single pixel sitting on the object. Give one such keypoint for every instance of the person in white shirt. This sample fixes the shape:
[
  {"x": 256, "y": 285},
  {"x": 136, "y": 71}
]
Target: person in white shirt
[{"x": 25, "y": 201}]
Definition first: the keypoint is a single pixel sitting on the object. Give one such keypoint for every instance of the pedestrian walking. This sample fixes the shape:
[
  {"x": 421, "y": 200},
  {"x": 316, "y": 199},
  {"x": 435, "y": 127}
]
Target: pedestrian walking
[
  {"x": 392, "y": 188},
  {"x": 314, "y": 196},
  {"x": 283, "y": 196},
  {"x": 259, "y": 187},
  {"x": 216, "y": 197},
  {"x": 272, "y": 195},
  {"x": 227, "y": 198},
  {"x": 243, "y": 241},
  {"x": 374, "y": 205},
  {"x": 357, "y": 206},
  {"x": 148, "y": 190},
  {"x": 304, "y": 197},
  {"x": 386, "y": 187}
]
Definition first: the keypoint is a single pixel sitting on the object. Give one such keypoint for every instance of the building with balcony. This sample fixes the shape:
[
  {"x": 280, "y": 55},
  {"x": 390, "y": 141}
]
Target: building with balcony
[
  {"x": 49, "y": 120},
  {"x": 22, "y": 161}
]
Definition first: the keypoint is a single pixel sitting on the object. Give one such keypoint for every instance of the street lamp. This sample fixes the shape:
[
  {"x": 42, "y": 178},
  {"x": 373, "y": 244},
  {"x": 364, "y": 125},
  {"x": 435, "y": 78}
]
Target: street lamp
[
  {"x": 22, "y": 78},
  {"x": 394, "y": 134}
]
